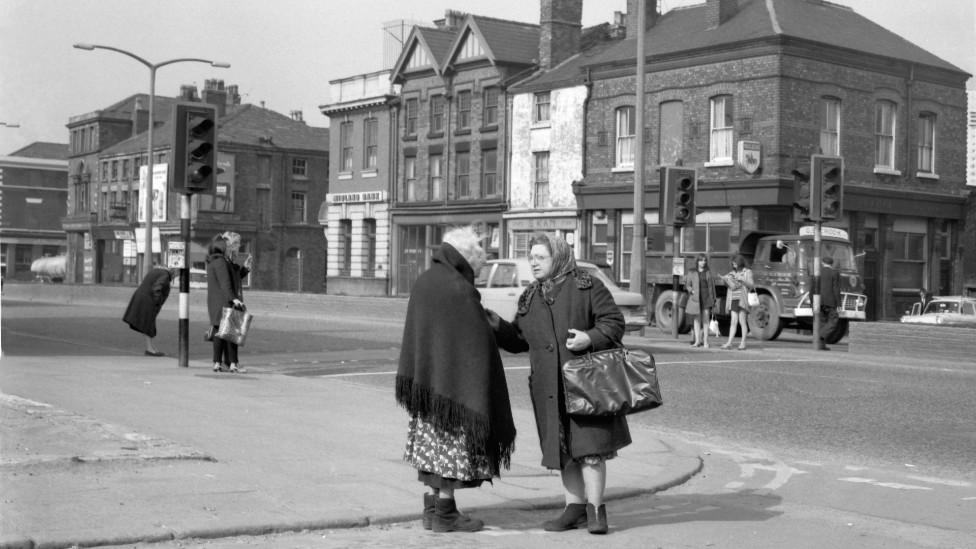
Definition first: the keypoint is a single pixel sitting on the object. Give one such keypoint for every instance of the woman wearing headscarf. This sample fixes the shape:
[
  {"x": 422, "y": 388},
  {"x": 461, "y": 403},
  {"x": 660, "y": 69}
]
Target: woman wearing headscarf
[
  {"x": 224, "y": 289},
  {"x": 562, "y": 314},
  {"x": 145, "y": 304},
  {"x": 450, "y": 380}
]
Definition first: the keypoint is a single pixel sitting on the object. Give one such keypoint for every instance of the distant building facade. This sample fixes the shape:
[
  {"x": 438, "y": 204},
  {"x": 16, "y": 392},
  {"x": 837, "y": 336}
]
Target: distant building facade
[
  {"x": 273, "y": 174},
  {"x": 33, "y": 198},
  {"x": 356, "y": 211}
]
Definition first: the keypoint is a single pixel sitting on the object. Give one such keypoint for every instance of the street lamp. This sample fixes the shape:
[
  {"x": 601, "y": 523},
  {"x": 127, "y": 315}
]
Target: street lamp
[{"x": 147, "y": 254}]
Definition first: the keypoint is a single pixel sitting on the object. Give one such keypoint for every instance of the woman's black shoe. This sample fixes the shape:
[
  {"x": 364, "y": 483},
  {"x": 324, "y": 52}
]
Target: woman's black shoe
[
  {"x": 574, "y": 516},
  {"x": 596, "y": 519}
]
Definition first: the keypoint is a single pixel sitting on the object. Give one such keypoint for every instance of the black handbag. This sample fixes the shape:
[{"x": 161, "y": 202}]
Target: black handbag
[{"x": 611, "y": 382}]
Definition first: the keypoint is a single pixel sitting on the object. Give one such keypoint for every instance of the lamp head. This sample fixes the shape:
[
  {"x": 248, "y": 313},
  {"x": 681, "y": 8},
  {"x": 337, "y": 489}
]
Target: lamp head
[
  {"x": 220, "y": 64},
  {"x": 83, "y": 46}
]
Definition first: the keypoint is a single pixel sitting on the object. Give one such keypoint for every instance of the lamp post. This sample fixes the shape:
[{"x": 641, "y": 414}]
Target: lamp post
[{"x": 147, "y": 254}]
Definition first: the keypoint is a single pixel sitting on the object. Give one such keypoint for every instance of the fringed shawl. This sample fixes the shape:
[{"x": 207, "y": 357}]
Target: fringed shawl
[{"x": 450, "y": 372}]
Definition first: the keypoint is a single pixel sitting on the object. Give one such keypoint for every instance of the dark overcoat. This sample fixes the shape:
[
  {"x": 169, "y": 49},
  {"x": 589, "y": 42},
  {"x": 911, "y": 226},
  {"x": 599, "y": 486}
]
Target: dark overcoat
[
  {"x": 585, "y": 304},
  {"x": 147, "y": 300},
  {"x": 223, "y": 285}
]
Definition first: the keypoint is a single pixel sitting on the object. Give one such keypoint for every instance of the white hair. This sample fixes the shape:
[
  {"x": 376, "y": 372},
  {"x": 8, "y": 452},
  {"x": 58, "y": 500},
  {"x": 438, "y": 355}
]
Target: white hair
[
  {"x": 233, "y": 240},
  {"x": 466, "y": 241}
]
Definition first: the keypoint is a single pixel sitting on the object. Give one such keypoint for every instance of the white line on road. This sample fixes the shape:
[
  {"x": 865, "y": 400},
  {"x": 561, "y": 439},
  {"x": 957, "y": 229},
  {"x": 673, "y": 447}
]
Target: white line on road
[
  {"x": 895, "y": 485},
  {"x": 942, "y": 481}
]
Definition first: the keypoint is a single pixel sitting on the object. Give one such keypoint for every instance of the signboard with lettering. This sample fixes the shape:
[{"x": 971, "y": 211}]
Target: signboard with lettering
[
  {"x": 176, "y": 254},
  {"x": 364, "y": 196}
]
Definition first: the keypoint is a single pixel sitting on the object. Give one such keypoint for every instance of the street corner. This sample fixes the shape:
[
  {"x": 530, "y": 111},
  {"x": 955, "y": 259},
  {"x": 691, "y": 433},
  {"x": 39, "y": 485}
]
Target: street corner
[{"x": 38, "y": 435}]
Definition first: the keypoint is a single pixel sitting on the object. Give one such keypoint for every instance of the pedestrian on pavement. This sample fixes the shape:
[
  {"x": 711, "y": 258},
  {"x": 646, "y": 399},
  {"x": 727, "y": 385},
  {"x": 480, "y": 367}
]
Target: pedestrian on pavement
[
  {"x": 924, "y": 297},
  {"x": 829, "y": 300},
  {"x": 224, "y": 290},
  {"x": 700, "y": 285},
  {"x": 451, "y": 381},
  {"x": 739, "y": 283},
  {"x": 145, "y": 304},
  {"x": 565, "y": 313}
]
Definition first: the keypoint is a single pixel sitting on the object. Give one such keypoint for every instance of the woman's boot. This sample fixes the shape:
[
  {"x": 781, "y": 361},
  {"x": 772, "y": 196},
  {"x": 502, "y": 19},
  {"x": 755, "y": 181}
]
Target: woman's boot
[
  {"x": 428, "y": 519},
  {"x": 447, "y": 518},
  {"x": 596, "y": 519},
  {"x": 574, "y": 516}
]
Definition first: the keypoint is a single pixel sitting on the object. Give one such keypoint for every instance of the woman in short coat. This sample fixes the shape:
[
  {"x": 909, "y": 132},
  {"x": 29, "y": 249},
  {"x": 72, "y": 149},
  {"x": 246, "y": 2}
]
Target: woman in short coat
[
  {"x": 700, "y": 285},
  {"x": 567, "y": 306},
  {"x": 223, "y": 290}
]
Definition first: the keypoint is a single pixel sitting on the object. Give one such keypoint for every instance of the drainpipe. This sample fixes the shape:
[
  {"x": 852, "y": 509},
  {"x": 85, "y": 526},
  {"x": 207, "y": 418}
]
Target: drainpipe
[{"x": 910, "y": 163}]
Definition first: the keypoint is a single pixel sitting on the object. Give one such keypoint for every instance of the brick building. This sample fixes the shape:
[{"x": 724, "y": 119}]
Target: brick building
[
  {"x": 273, "y": 174},
  {"x": 783, "y": 79},
  {"x": 33, "y": 197},
  {"x": 451, "y": 129},
  {"x": 356, "y": 211}
]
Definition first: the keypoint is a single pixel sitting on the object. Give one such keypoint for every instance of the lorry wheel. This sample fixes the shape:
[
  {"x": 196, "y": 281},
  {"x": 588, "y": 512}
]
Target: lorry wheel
[
  {"x": 838, "y": 334},
  {"x": 764, "y": 319},
  {"x": 663, "y": 313}
]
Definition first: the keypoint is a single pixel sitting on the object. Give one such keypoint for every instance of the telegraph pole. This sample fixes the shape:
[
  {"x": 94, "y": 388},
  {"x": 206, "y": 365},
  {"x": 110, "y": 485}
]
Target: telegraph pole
[{"x": 638, "y": 280}]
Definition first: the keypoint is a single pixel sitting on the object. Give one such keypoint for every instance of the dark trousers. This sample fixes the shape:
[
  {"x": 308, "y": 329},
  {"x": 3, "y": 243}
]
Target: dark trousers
[
  {"x": 224, "y": 351},
  {"x": 828, "y": 320}
]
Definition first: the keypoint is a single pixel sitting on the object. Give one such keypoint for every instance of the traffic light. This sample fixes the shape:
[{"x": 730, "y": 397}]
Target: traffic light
[
  {"x": 802, "y": 195},
  {"x": 828, "y": 173},
  {"x": 678, "y": 187},
  {"x": 194, "y": 148}
]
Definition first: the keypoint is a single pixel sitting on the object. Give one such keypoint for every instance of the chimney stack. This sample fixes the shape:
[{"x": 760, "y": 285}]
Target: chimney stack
[
  {"x": 188, "y": 92},
  {"x": 453, "y": 20},
  {"x": 297, "y": 116},
  {"x": 650, "y": 16},
  {"x": 215, "y": 94},
  {"x": 719, "y": 11},
  {"x": 140, "y": 117},
  {"x": 560, "y": 31}
]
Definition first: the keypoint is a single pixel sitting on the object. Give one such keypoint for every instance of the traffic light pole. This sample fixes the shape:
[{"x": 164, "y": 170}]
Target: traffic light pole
[
  {"x": 184, "y": 322},
  {"x": 815, "y": 302},
  {"x": 638, "y": 276},
  {"x": 675, "y": 282}
]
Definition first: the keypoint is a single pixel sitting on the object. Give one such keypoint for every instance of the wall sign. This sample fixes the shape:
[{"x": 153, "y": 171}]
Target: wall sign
[{"x": 749, "y": 156}]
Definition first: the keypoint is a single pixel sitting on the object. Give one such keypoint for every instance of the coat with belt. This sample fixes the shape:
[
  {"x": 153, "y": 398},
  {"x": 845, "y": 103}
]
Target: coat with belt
[
  {"x": 585, "y": 304},
  {"x": 701, "y": 291},
  {"x": 147, "y": 300},
  {"x": 223, "y": 285}
]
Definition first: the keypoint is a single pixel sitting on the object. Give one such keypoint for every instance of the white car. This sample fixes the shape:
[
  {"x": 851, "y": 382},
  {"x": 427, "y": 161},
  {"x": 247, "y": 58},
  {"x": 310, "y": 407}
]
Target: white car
[
  {"x": 946, "y": 310},
  {"x": 502, "y": 281}
]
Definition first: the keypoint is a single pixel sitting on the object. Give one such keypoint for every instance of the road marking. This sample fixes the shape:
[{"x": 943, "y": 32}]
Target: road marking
[
  {"x": 873, "y": 482},
  {"x": 942, "y": 481}
]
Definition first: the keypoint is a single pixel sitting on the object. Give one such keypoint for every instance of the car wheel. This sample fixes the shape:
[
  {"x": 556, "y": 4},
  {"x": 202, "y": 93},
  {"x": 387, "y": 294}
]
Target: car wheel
[
  {"x": 764, "y": 318},
  {"x": 838, "y": 334},
  {"x": 663, "y": 314}
]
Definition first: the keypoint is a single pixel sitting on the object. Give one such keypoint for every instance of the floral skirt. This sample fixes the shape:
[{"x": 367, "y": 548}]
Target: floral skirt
[{"x": 444, "y": 454}]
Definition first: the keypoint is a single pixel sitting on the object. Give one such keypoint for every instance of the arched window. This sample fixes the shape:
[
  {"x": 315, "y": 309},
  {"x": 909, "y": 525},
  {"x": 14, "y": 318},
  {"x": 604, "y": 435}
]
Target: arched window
[{"x": 884, "y": 134}]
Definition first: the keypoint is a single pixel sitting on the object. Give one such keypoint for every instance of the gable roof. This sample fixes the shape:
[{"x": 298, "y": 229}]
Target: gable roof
[
  {"x": 504, "y": 41},
  {"x": 686, "y": 30},
  {"x": 437, "y": 43},
  {"x": 244, "y": 125}
]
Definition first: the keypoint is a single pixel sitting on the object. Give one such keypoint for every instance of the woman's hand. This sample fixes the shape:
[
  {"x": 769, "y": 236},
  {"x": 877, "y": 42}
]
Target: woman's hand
[{"x": 578, "y": 340}]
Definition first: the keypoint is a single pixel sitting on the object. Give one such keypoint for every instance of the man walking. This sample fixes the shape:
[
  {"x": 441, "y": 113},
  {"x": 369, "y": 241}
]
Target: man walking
[{"x": 829, "y": 300}]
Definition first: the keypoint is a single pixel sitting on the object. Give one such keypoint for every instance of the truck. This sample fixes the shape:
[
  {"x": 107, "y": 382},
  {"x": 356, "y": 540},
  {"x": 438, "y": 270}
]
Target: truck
[{"x": 782, "y": 269}]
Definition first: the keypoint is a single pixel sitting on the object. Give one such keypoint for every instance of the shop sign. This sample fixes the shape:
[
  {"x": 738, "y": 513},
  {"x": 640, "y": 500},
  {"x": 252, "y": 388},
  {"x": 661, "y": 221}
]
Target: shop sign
[
  {"x": 750, "y": 156},
  {"x": 364, "y": 196},
  {"x": 542, "y": 224}
]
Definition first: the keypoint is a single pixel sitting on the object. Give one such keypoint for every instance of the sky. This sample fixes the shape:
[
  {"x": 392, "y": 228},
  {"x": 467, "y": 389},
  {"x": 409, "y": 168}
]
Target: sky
[{"x": 284, "y": 52}]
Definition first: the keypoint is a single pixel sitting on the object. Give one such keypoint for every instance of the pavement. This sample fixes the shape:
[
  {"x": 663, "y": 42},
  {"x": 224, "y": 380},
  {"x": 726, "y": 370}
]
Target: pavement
[{"x": 112, "y": 450}]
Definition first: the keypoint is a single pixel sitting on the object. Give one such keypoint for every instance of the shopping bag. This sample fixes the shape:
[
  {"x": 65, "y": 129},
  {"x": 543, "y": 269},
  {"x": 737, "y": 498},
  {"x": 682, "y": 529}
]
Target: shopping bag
[
  {"x": 752, "y": 299},
  {"x": 611, "y": 382},
  {"x": 713, "y": 328},
  {"x": 234, "y": 324}
]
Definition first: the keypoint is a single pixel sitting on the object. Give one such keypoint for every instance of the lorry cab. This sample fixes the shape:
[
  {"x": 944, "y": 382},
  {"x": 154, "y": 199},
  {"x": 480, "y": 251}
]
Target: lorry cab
[{"x": 782, "y": 268}]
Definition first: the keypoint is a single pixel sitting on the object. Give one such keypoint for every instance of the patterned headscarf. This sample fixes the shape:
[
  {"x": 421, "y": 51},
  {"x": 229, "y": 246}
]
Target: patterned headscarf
[{"x": 563, "y": 264}]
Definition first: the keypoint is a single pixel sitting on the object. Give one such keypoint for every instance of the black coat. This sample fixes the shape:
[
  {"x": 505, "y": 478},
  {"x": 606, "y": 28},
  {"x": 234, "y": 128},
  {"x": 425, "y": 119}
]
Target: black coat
[
  {"x": 450, "y": 372},
  {"x": 147, "y": 300},
  {"x": 582, "y": 303},
  {"x": 829, "y": 287},
  {"x": 223, "y": 285}
]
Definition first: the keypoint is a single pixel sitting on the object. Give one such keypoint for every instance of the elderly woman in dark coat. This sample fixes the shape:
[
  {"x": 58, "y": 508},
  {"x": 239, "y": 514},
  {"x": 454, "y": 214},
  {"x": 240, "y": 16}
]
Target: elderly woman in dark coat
[
  {"x": 450, "y": 379},
  {"x": 562, "y": 314},
  {"x": 145, "y": 304},
  {"x": 224, "y": 290}
]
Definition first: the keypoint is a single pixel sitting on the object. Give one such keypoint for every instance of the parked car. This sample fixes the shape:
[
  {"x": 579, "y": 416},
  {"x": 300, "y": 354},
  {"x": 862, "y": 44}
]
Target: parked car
[
  {"x": 952, "y": 310},
  {"x": 502, "y": 281}
]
